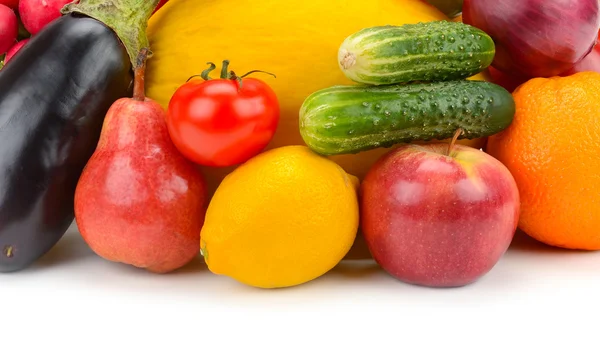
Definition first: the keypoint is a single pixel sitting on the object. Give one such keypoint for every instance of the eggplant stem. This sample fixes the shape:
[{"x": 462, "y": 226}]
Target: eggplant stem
[
  {"x": 458, "y": 132},
  {"x": 139, "y": 91},
  {"x": 127, "y": 18}
]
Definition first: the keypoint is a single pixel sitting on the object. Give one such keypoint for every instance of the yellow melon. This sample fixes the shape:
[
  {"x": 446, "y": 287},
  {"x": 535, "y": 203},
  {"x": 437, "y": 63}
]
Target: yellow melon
[{"x": 297, "y": 40}]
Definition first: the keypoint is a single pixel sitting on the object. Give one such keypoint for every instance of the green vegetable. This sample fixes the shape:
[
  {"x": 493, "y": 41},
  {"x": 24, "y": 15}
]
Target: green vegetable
[
  {"x": 351, "y": 119},
  {"x": 433, "y": 51}
]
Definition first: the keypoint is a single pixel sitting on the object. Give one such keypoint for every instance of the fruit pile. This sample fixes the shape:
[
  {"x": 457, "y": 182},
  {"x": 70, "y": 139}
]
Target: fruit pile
[{"x": 432, "y": 130}]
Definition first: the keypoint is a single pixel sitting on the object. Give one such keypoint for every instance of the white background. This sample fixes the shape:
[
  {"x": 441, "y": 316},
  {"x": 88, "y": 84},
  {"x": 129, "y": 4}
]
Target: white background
[{"x": 535, "y": 293}]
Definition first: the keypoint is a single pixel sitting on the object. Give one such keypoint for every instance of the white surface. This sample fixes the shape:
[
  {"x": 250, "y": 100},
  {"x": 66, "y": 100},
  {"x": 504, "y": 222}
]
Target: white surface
[{"x": 533, "y": 293}]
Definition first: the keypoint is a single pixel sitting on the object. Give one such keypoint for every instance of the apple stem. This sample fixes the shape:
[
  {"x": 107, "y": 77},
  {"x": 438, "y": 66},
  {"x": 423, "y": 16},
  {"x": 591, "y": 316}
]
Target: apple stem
[
  {"x": 139, "y": 92},
  {"x": 458, "y": 132}
]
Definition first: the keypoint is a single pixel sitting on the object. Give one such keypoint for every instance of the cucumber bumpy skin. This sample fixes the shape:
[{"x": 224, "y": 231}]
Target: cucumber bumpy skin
[
  {"x": 351, "y": 119},
  {"x": 428, "y": 52}
]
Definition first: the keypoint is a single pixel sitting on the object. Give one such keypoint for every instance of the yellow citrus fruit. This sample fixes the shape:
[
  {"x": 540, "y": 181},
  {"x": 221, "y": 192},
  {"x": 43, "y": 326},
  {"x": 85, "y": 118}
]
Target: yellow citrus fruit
[{"x": 285, "y": 217}]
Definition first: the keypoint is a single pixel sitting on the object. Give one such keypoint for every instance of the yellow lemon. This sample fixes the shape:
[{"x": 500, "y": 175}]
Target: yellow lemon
[{"x": 285, "y": 217}]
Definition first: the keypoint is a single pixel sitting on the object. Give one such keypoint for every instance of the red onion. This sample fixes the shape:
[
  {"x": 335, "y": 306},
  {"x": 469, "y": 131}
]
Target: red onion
[
  {"x": 536, "y": 38},
  {"x": 591, "y": 62}
]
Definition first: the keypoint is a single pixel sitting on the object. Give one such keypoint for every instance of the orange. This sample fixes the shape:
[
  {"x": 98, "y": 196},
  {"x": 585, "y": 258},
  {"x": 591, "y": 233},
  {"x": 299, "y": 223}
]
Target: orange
[{"x": 552, "y": 149}]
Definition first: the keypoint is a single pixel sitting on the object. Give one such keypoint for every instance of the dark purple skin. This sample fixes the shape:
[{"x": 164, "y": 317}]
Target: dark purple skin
[
  {"x": 54, "y": 95},
  {"x": 438, "y": 221},
  {"x": 536, "y": 38}
]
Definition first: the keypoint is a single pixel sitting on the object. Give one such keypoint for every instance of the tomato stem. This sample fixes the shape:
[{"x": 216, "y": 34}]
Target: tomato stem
[
  {"x": 204, "y": 73},
  {"x": 458, "y": 132},
  {"x": 226, "y": 74},
  {"x": 254, "y": 71},
  {"x": 224, "y": 71},
  {"x": 239, "y": 79},
  {"x": 139, "y": 92},
  {"x": 234, "y": 77}
]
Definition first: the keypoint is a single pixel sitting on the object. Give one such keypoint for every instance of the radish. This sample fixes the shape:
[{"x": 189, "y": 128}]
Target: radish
[
  {"x": 9, "y": 28},
  {"x": 13, "y": 50},
  {"x": 10, "y": 3},
  {"x": 36, "y": 14}
]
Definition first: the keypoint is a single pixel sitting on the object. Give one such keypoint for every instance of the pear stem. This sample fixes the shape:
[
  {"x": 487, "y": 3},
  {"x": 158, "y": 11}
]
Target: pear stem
[
  {"x": 458, "y": 132},
  {"x": 139, "y": 91}
]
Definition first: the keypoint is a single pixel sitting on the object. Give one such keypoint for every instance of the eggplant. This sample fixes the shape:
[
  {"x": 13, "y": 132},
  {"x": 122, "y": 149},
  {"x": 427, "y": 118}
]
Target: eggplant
[
  {"x": 53, "y": 99},
  {"x": 54, "y": 95}
]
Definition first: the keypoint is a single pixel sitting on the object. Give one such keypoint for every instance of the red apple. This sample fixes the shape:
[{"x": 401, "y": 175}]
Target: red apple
[{"x": 436, "y": 220}]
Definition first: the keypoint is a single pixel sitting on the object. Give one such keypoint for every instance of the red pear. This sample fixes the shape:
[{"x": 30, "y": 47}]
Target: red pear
[{"x": 139, "y": 201}]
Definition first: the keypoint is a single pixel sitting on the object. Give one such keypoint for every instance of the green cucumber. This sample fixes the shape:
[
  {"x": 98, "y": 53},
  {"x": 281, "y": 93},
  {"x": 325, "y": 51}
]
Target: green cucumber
[
  {"x": 352, "y": 119},
  {"x": 427, "y": 52}
]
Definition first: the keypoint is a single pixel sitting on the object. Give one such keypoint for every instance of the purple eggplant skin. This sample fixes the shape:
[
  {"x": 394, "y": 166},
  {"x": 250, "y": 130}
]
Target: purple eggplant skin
[{"x": 54, "y": 96}]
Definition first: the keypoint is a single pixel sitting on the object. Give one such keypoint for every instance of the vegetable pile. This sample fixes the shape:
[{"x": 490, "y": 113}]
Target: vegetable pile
[{"x": 82, "y": 140}]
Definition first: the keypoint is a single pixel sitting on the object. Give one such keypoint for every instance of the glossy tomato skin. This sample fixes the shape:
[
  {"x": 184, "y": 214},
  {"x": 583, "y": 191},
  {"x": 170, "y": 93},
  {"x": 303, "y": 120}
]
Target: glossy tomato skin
[{"x": 219, "y": 123}]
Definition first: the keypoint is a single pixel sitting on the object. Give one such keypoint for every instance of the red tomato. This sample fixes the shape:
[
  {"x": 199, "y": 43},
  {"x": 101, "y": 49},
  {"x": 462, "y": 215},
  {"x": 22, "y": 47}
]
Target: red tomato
[{"x": 218, "y": 123}]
